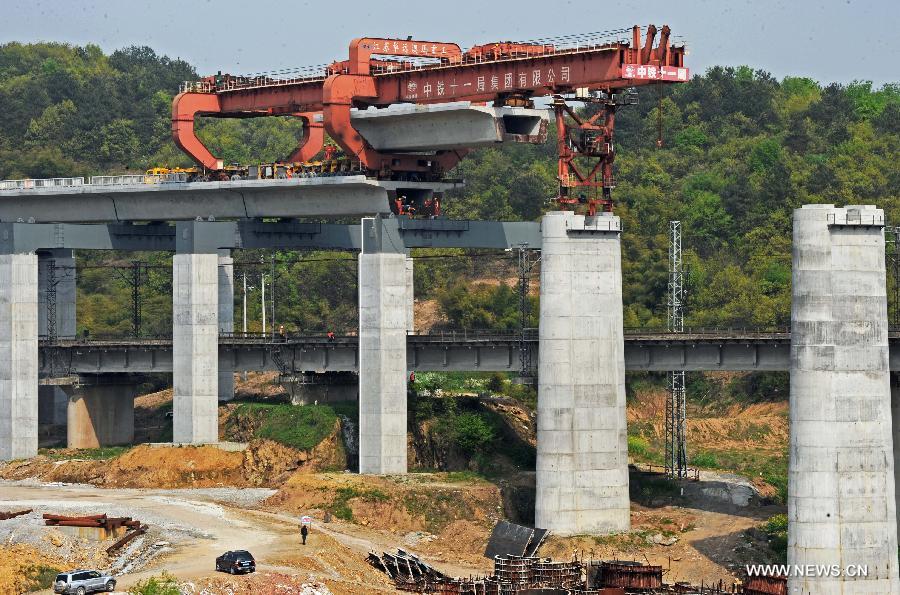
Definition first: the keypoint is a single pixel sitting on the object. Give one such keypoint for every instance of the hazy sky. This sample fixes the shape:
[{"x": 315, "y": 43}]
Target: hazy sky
[{"x": 828, "y": 40}]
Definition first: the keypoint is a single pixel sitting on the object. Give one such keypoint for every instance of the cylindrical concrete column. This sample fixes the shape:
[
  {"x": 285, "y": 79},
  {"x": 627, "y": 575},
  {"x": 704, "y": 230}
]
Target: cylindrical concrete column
[
  {"x": 841, "y": 498},
  {"x": 582, "y": 446},
  {"x": 101, "y": 415},
  {"x": 195, "y": 348},
  {"x": 18, "y": 356},
  {"x": 226, "y": 322},
  {"x": 410, "y": 295},
  {"x": 383, "y": 307}
]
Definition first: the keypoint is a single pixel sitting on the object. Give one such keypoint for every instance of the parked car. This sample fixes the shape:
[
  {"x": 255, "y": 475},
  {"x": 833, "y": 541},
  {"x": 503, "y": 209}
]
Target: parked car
[
  {"x": 81, "y": 582},
  {"x": 236, "y": 562}
]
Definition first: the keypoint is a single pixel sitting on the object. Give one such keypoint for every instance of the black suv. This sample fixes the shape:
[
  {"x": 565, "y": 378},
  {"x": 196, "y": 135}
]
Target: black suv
[{"x": 236, "y": 562}]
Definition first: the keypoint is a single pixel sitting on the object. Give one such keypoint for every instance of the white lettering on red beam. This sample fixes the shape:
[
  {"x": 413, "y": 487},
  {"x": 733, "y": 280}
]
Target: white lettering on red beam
[{"x": 654, "y": 73}]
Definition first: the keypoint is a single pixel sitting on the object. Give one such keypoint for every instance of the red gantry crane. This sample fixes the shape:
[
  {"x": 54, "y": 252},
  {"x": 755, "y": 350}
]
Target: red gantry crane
[{"x": 593, "y": 68}]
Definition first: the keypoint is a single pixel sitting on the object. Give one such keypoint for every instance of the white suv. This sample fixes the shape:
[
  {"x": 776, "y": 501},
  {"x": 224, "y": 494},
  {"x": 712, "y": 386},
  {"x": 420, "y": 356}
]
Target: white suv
[{"x": 81, "y": 582}]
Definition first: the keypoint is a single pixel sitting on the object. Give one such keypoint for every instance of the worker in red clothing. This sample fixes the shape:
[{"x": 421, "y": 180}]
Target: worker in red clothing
[{"x": 330, "y": 335}]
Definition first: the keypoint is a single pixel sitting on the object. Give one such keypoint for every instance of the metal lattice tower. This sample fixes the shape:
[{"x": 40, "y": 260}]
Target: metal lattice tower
[
  {"x": 892, "y": 252},
  {"x": 525, "y": 265},
  {"x": 676, "y": 440}
]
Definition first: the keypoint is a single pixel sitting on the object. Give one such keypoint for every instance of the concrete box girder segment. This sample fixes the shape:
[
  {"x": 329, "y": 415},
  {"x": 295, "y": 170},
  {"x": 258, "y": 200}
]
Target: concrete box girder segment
[
  {"x": 253, "y": 234},
  {"x": 179, "y": 201},
  {"x": 448, "y": 126}
]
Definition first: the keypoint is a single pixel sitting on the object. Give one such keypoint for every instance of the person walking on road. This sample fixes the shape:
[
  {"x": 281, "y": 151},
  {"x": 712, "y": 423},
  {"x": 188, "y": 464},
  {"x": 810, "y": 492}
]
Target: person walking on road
[{"x": 304, "y": 531}]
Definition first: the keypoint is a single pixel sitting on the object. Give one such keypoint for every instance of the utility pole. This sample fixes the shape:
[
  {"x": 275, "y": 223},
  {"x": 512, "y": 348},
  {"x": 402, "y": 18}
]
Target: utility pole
[
  {"x": 244, "y": 317},
  {"x": 262, "y": 285},
  {"x": 676, "y": 440},
  {"x": 272, "y": 296}
]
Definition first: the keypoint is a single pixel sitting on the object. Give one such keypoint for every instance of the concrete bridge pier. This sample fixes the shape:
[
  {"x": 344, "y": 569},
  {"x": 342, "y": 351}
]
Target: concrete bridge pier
[
  {"x": 56, "y": 288},
  {"x": 18, "y": 356},
  {"x": 582, "y": 447},
  {"x": 841, "y": 493},
  {"x": 410, "y": 295},
  {"x": 101, "y": 411},
  {"x": 226, "y": 322},
  {"x": 195, "y": 333},
  {"x": 383, "y": 309}
]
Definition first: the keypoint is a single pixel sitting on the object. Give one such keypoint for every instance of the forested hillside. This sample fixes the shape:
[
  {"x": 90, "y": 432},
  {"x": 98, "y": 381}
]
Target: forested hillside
[{"x": 741, "y": 149}]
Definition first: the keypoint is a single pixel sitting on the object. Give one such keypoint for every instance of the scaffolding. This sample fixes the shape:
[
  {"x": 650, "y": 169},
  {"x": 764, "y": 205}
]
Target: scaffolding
[{"x": 676, "y": 441}]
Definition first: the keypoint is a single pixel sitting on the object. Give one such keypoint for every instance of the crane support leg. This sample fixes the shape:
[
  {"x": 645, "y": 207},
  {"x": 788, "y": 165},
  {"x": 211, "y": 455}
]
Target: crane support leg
[
  {"x": 311, "y": 142},
  {"x": 185, "y": 108}
]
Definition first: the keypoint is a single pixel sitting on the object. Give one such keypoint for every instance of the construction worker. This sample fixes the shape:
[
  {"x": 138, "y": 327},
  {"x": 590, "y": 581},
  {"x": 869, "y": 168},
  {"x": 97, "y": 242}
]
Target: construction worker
[
  {"x": 330, "y": 335},
  {"x": 281, "y": 332},
  {"x": 304, "y": 531}
]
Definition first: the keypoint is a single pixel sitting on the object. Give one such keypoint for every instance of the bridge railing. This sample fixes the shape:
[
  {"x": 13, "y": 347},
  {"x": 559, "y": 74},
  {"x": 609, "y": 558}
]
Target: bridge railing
[
  {"x": 138, "y": 179},
  {"x": 29, "y": 184}
]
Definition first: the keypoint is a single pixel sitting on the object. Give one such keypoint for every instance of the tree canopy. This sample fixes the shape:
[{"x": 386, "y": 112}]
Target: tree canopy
[{"x": 741, "y": 149}]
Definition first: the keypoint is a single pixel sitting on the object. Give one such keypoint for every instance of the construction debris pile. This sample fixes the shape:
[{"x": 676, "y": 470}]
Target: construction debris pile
[
  {"x": 521, "y": 575},
  {"x": 5, "y": 516},
  {"x": 100, "y": 521}
]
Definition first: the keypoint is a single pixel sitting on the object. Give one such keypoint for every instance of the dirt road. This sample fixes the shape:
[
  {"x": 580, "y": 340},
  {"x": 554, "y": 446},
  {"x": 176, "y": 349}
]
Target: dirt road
[{"x": 335, "y": 553}]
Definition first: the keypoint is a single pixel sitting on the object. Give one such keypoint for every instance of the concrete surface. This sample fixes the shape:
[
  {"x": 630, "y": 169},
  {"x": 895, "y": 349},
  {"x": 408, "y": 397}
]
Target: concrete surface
[
  {"x": 582, "y": 449},
  {"x": 410, "y": 295},
  {"x": 226, "y": 322},
  {"x": 18, "y": 356},
  {"x": 448, "y": 126},
  {"x": 383, "y": 306},
  {"x": 195, "y": 349},
  {"x": 100, "y": 415},
  {"x": 841, "y": 496}
]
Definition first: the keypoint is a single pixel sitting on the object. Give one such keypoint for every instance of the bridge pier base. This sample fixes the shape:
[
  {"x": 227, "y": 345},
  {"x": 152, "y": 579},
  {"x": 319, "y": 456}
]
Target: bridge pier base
[
  {"x": 582, "y": 448},
  {"x": 18, "y": 356},
  {"x": 383, "y": 307},
  {"x": 841, "y": 496},
  {"x": 226, "y": 322},
  {"x": 195, "y": 348},
  {"x": 101, "y": 412}
]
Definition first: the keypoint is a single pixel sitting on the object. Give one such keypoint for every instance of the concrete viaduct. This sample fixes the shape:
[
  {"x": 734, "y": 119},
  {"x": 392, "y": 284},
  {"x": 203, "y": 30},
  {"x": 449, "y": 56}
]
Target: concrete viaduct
[{"x": 841, "y": 506}]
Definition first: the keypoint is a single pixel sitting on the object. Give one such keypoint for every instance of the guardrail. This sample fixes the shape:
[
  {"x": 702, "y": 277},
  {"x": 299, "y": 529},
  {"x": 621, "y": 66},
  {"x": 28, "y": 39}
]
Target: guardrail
[
  {"x": 138, "y": 179},
  {"x": 28, "y": 184},
  {"x": 856, "y": 217}
]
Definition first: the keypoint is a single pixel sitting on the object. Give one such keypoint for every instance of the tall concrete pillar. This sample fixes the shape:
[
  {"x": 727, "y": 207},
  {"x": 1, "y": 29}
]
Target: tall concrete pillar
[
  {"x": 195, "y": 336},
  {"x": 841, "y": 497},
  {"x": 56, "y": 281},
  {"x": 18, "y": 356},
  {"x": 383, "y": 307},
  {"x": 410, "y": 295},
  {"x": 101, "y": 412},
  {"x": 582, "y": 447},
  {"x": 226, "y": 322},
  {"x": 895, "y": 431}
]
